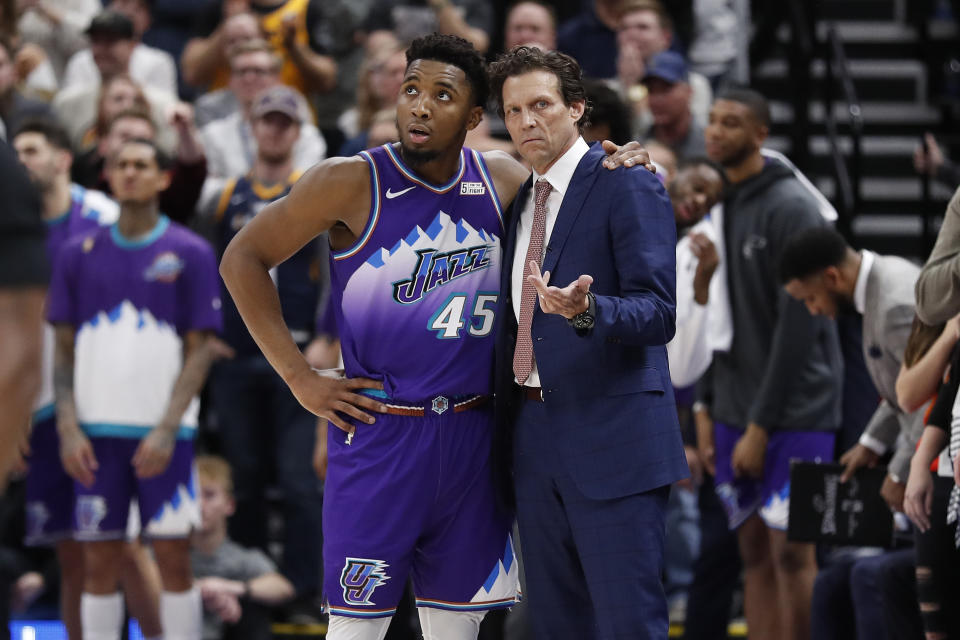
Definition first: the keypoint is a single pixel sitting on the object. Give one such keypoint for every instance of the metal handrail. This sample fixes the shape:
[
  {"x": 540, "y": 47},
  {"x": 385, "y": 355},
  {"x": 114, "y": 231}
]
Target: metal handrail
[{"x": 848, "y": 172}]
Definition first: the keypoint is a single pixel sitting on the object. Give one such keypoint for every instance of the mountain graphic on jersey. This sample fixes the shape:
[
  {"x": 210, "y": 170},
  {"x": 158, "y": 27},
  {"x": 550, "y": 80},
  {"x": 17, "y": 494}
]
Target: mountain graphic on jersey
[
  {"x": 448, "y": 258},
  {"x": 127, "y": 362}
]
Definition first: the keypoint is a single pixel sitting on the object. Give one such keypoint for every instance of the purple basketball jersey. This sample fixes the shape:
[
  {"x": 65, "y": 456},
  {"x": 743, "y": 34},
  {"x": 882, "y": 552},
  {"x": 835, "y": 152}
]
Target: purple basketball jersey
[
  {"x": 417, "y": 295},
  {"x": 131, "y": 302}
]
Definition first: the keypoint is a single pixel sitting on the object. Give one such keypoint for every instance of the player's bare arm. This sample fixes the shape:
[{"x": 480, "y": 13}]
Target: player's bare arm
[
  {"x": 76, "y": 452},
  {"x": 333, "y": 196},
  {"x": 155, "y": 450},
  {"x": 509, "y": 175}
]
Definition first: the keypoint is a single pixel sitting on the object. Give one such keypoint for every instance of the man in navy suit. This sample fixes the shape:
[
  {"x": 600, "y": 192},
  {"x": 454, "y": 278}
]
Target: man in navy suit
[{"x": 583, "y": 390}]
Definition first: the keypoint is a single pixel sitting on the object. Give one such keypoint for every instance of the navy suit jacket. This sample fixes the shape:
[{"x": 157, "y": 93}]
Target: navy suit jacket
[{"x": 608, "y": 389}]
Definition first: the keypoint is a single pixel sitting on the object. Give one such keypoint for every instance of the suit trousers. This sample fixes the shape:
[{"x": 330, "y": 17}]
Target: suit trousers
[{"x": 593, "y": 566}]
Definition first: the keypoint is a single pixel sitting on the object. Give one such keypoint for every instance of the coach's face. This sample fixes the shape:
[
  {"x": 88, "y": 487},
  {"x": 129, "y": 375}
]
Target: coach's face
[{"x": 541, "y": 125}]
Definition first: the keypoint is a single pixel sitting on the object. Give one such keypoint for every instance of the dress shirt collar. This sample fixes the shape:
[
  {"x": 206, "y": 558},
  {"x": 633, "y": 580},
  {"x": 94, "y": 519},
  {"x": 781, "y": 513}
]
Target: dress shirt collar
[
  {"x": 860, "y": 288},
  {"x": 560, "y": 174}
]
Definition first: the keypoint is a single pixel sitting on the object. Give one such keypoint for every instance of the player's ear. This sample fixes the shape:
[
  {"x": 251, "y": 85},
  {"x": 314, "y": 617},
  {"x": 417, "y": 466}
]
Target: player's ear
[
  {"x": 165, "y": 178},
  {"x": 476, "y": 115}
]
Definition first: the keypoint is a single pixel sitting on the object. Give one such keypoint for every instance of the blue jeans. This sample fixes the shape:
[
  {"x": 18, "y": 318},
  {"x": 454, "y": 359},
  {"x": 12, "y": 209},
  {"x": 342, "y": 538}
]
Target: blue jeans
[{"x": 264, "y": 429}]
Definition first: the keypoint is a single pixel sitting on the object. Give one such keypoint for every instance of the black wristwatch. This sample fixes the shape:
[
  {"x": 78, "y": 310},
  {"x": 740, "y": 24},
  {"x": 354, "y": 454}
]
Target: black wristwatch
[{"x": 585, "y": 320}]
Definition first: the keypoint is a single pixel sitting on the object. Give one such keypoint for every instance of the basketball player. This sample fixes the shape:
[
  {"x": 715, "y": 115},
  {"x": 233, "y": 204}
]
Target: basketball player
[
  {"x": 133, "y": 305},
  {"x": 69, "y": 210},
  {"x": 415, "y": 231}
]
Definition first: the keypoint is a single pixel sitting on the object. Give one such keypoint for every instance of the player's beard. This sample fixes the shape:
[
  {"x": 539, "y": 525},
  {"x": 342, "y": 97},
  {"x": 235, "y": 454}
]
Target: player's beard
[{"x": 415, "y": 157}]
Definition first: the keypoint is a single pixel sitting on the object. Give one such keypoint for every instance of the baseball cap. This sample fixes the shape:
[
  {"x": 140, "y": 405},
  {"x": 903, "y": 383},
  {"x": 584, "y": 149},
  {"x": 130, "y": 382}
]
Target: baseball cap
[
  {"x": 668, "y": 66},
  {"x": 279, "y": 99},
  {"x": 112, "y": 24}
]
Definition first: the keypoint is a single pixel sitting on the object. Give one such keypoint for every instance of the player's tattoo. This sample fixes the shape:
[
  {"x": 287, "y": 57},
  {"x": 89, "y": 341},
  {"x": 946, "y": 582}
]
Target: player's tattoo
[{"x": 63, "y": 361}]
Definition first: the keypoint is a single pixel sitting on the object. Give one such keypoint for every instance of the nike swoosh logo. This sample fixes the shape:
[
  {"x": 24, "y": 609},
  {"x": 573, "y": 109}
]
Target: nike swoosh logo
[{"x": 393, "y": 194}]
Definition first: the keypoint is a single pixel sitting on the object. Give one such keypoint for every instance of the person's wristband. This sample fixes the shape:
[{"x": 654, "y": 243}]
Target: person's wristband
[
  {"x": 700, "y": 406},
  {"x": 895, "y": 477}
]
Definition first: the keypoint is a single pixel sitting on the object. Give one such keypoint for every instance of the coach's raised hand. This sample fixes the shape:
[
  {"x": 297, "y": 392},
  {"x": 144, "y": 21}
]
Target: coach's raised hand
[
  {"x": 568, "y": 301},
  {"x": 328, "y": 393}
]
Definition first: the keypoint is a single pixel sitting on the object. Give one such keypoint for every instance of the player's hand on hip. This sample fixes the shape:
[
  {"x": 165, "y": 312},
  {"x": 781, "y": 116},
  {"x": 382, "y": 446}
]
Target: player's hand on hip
[
  {"x": 154, "y": 452},
  {"x": 78, "y": 458},
  {"x": 858, "y": 456},
  {"x": 327, "y": 394},
  {"x": 629, "y": 155},
  {"x": 749, "y": 452},
  {"x": 567, "y": 302}
]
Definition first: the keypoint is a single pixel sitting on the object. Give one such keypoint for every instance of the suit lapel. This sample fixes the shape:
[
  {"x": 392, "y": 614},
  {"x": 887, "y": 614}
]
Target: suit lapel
[{"x": 580, "y": 185}]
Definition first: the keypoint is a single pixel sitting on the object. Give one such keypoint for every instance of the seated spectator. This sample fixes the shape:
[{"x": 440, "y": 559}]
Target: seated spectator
[
  {"x": 664, "y": 159},
  {"x": 289, "y": 26},
  {"x": 381, "y": 75},
  {"x": 472, "y": 20},
  {"x": 532, "y": 23},
  {"x": 187, "y": 173},
  {"x": 115, "y": 47},
  {"x": 120, "y": 93},
  {"x": 76, "y": 106},
  {"x": 669, "y": 101},
  {"x": 591, "y": 37},
  {"x": 220, "y": 101},
  {"x": 254, "y": 76},
  {"x": 55, "y": 29},
  {"x": 237, "y": 585},
  {"x": 645, "y": 30},
  {"x": 14, "y": 106},
  {"x": 228, "y": 142}
]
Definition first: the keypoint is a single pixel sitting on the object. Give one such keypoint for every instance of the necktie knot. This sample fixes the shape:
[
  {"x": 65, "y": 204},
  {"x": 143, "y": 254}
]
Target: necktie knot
[{"x": 541, "y": 192}]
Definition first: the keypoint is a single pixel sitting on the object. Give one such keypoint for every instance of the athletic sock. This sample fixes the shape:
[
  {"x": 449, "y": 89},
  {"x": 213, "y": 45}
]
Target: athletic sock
[
  {"x": 101, "y": 616},
  {"x": 181, "y": 615}
]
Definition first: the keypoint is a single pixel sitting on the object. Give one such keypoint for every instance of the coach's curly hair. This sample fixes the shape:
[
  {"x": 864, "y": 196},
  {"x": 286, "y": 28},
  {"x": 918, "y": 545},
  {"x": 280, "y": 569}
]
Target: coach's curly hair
[
  {"x": 526, "y": 59},
  {"x": 458, "y": 52}
]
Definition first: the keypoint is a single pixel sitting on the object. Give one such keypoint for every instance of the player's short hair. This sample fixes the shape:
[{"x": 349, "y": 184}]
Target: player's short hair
[
  {"x": 455, "y": 51},
  {"x": 753, "y": 100},
  {"x": 810, "y": 252},
  {"x": 135, "y": 112},
  {"x": 526, "y": 59},
  {"x": 164, "y": 161},
  {"x": 55, "y": 135},
  {"x": 215, "y": 469}
]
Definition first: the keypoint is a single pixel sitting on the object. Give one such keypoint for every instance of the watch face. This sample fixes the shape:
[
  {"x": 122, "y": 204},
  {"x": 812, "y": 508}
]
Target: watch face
[{"x": 583, "y": 321}]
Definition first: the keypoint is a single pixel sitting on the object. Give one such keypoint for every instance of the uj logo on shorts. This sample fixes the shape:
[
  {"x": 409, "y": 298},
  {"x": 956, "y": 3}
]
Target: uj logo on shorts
[
  {"x": 91, "y": 510},
  {"x": 359, "y": 579}
]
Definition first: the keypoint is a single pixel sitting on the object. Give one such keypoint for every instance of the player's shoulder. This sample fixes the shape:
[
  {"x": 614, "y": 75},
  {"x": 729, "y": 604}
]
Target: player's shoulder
[
  {"x": 336, "y": 178},
  {"x": 86, "y": 242}
]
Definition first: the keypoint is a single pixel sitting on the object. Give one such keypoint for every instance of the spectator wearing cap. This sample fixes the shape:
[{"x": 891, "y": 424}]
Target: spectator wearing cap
[
  {"x": 252, "y": 404},
  {"x": 645, "y": 29},
  {"x": 229, "y": 142},
  {"x": 669, "y": 100},
  {"x": 115, "y": 48}
]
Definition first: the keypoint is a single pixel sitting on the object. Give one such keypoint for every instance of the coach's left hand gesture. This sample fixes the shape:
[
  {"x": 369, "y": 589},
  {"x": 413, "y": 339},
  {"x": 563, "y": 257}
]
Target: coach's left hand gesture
[
  {"x": 568, "y": 302},
  {"x": 154, "y": 452}
]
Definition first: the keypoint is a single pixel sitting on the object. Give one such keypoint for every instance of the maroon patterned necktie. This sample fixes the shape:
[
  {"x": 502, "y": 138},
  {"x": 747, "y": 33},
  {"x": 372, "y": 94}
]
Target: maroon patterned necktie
[{"x": 523, "y": 354}]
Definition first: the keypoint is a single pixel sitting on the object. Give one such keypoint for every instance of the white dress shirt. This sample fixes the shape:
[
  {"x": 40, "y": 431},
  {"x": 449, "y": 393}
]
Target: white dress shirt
[{"x": 559, "y": 176}]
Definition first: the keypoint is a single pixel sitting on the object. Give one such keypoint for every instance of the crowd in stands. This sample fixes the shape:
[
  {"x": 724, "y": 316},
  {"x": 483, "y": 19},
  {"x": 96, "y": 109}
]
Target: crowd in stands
[{"x": 786, "y": 336}]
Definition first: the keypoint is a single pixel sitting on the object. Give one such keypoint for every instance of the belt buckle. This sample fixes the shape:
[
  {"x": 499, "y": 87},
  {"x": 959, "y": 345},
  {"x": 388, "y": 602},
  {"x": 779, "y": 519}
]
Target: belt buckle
[{"x": 440, "y": 405}]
